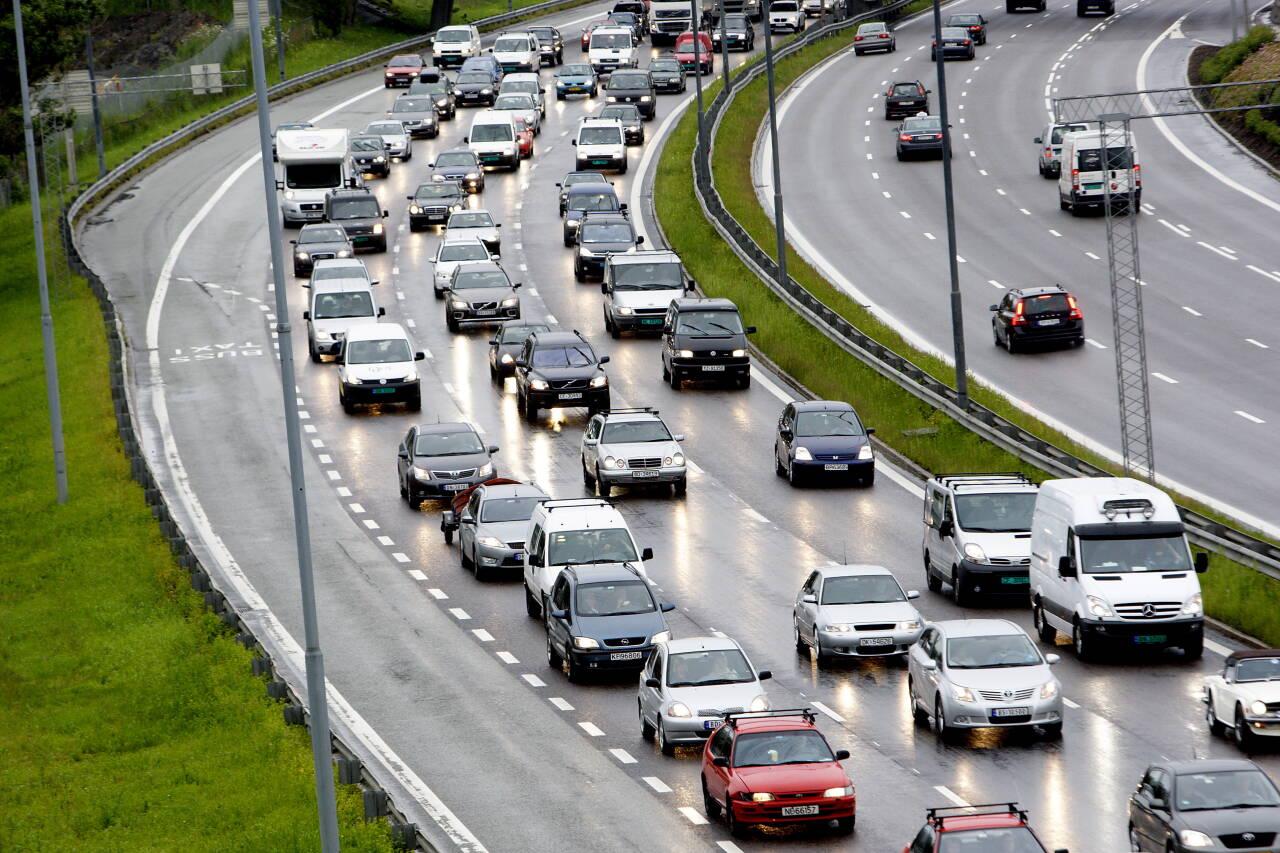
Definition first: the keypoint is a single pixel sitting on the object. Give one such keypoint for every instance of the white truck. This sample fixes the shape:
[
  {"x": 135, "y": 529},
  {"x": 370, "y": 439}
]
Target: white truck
[
  {"x": 312, "y": 162},
  {"x": 668, "y": 19},
  {"x": 713, "y": 9}
]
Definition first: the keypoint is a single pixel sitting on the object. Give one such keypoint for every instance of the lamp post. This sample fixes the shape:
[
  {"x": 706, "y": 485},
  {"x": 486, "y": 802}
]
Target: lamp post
[
  {"x": 779, "y": 227},
  {"x": 695, "y": 13}
]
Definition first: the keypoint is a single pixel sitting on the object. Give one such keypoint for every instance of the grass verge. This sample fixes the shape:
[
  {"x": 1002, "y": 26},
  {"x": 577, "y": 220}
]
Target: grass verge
[{"x": 1236, "y": 594}]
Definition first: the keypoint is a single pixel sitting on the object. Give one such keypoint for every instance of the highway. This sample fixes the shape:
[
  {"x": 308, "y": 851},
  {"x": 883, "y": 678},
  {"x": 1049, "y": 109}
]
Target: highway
[
  {"x": 1207, "y": 248},
  {"x": 451, "y": 672}
]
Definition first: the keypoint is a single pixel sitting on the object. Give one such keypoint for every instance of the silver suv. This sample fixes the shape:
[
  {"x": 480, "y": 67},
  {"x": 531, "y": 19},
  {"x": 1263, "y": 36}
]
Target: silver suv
[{"x": 631, "y": 447}]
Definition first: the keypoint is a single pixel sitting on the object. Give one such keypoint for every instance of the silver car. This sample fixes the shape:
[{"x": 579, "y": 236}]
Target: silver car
[
  {"x": 854, "y": 611},
  {"x": 631, "y": 447},
  {"x": 1049, "y": 160},
  {"x": 394, "y": 136},
  {"x": 491, "y": 527},
  {"x": 875, "y": 36},
  {"x": 449, "y": 254},
  {"x": 979, "y": 673},
  {"x": 474, "y": 223},
  {"x": 688, "y": 686}
]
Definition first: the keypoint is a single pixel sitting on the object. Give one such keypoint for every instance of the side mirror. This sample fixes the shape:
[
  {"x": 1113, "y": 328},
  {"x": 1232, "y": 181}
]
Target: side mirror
[
  {"x": 946, "y": 528},
  {"x": 573, "y": 142},
  {"x": 652, "y": 682},
  {"x": 280, "y": 185},
  {"x": 493, "y": 342},
  {"x": 535, "y": 560},
  {"x": 1051, "y": 658},
  {"x": 871, "y": 430},
  {"x": 786, "y": 434},
  {"x": 750, "y": 330},
  {"x": 646, "y": 554},
  {"x": 465, "y": 139},
  {"x": 1067, "y": 567},
  {"x": 842, "y": 754},
  {"x": 604, "y": 359},
  {"x": 517, "y": 284},
  {"x": 403, "y": 454},
  {"x": 295, "y": 242},
  {"x": 913, "y": 593},
  {"x": 930, "y": 664},
  {"x": 720, "y": 761},
  {"x": 409, "y": 197},
  {"x": 497, "y": 225},
  {"x": 764, "y": 675},
  {"x": 520, "y": 362},
  {"x": 666, "y": 607},
  {"x": 928, "y": 91},
  {"x": 466, "y": 518},
  {"x": 1038, "y": 141},
  {"x": 590, "y": 442},
  {"x": 493, "y": 448},
  {"x": 639, "y": 239},
  {"x": 1202, "y": 562},
  {"x": 374, "y": 282},
  {"x": 448, "y": 520},
  {"x": 622, "y": 206},
  {"x": 306, "y": 315},
  {"x": 385, "y": 214},
  {"x": 559, "y": 614},
  {"x": 495, "y": 257},
  {"x": 429, "y": 166},
  {"x": 419, "y": 356},
  {"x": 993, "y": 307},
  {"x": 809, "y": 598},
  {"x": 678, "y": 437},
  {"x": 382, "y": 312},
  {"x": 557, "y": 183}
]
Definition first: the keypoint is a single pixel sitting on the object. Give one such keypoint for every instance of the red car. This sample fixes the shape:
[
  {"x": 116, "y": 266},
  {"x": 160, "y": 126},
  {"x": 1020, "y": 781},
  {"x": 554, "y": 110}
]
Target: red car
[
  {"x": 685, "y": 53},
  {"x": 994, "y": 826},
  {"x": 775, "y": 767},
  {"x": 586, "y": 31},
  {"x": 402, "y": 70},
  {"x": 524, "y": 138}
]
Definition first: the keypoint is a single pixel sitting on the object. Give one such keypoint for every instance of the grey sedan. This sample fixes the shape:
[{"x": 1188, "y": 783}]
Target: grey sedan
[
  {"x": 480, "y": 292},
  {"x": 318, "y": 241},
  {"x": 491, "y": 527},
  {"x": 418, "y": 115},
  {"x": 876, "y": 36}
]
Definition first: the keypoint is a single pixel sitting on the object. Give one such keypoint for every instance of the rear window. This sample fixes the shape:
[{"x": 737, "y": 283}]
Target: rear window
[
  {"x": 1059, "y": 132},
  {"x": 906, "y": 90},
  {"x": 1047, "y": 302},
  {"x": 1090, "y": 159}
]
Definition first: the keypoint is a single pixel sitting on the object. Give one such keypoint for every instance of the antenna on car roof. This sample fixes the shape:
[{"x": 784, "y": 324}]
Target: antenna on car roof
[{"x": 844, "y": 552}]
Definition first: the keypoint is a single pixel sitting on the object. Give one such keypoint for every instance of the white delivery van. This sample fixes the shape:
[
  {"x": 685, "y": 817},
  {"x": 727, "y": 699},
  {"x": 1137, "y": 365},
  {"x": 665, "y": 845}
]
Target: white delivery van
[
  {"x": 1110, "y": 565},
  {"x": 453, "y": 45},
  {"x": 601, "y": 145},
  {"x": 312, "y": 162},
  {"x": 1085, "y": 175},
  {"x": 334, "y": 308},
  {"x": 574, "y": 532},
  {"x": 610, "y": 48},
  {"x": 376, "y": 366},
  {"x": 493, "y": 139},
  {"x": 517, "y": 52}
]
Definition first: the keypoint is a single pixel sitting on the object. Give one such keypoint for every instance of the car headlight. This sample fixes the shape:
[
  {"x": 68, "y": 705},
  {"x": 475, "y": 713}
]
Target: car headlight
[
  {"x": 289, "y": 194},
  {"x": 625, "y": 311},
  {"x": 472, "y": 176},
  {"x": 610, "y": 462},
  {"x": 685, "y": 353},
  {"x": 389, "y": 74},
  {"x": 324, "y": 335},
  {"x": 739, "y": 353},
  {"x": 379, "y": 159},
  {"x": 644, "y": 99},
  {"x": 443, "y": 102},
  {"x": 414, "y": 209},
  {"x": 1098, "y": 607},
  {"x": 1194, "y": 606},
  {"x": 437, "y": 178},
  {"x": 613, "y": 99},
  {"x": 585, "y": 643},
  {"x": 539, "y": 385},
  {"x": 506, "y": 358},
  {"x": 377, "y": 228},
  {"x": 1049, "y": 690},
  {"x": 485, "y": 470},
  {"x": 677, "y": 460},
  {"x": 865, "y": 452},
  {"x": 1195, "y": 838},
  {"x": 599, "y": 381},
  {"x": 838, "y": 628},
  {"x": 457, "y": 91},
  {"x": 585, "y": 252},
  {"x": 759, "y": 797},
  {"x": 846, "y": 791},
  {"x": 486, "y": 91},
  {"x": 1258, "y": 708},
  {"x": 660, "y": 637},
  {"x": 760, "y": 703},
  {"x": 490, "y": 542},
  {"x": 909, "y": 625},
  {"x": 457, "y": 303},
  {"x": 511, "y": 302},
  {"x": 421, "y": 473},
  {"x": 803, "y": 454},
  {"x": 678, "y": 709},
  {"x": 974, "y": 552},
  {"x": 302, "y": 256},
  {"x": 962, "y": 694}
]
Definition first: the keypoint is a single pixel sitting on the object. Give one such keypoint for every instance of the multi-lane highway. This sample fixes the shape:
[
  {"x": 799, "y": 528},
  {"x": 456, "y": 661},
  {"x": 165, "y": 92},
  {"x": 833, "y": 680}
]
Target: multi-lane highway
[
  {"x": 450, "y": 672},
  {"x": 1208, "y": 248}
]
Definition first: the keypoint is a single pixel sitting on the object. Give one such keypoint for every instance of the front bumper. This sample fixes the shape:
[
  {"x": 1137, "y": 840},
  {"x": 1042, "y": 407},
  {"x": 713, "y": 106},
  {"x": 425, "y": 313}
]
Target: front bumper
[
  {"x": 633, "y": 135},
  {"x": 1142, "y": 632},
  {"x": 605, "y": 660},
  {"x": 820, "y": 468},
  {"x": 498, "y": 159},
  {"x": 643, "y": 476},
  {"x": 448, "y": 60},
  {"x": 829, "y": 808},
  {"x": 327, "y": 346},
  {"x": 399, "y": 79},
  {"x": 986, "y": 579},
  {"x": 294, "y": 211},
  {"x": 700, "y": 370},
  {"x": 476, "y": 98},
  {"x": 979, "y": 714},
  {"x": 368, "y": 242},
  {"x": 638, "y": 322},
  {"x": 436, "y": 216},
  {"x": 423, "y": 130},
  {"x": 471, "y": 185},
  {"x": 466, "y": 316},
  {"x": 382, "y": 169},
  {"x": 596, "y": 162},
  {"x": 442, "y": 488},
  {"x": 852, "y": 643},
  {"x": 391, "y": 392},
  {"x": 574, "y": 88},
  {"x": 500, "y": 558},
  {"x": 553, "y": 399}
]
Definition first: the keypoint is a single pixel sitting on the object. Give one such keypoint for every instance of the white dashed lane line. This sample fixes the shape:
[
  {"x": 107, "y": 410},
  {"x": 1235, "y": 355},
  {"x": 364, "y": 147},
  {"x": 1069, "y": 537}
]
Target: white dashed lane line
[
  {"x": 1092, "y": 255},
  {"x": 459, "y": 613},
  {"x": 343, "y": 492},
  {"x": 1248, "y": 417},
  {"x": 824, "y": 709},
  {"x": 400, "y": 557},
  {"x": 591, "y": 728},
  {"x": 560, "y": 703},
  {"x": 951, "y": 795},
  {"x": 533, "y": 680},
  {"x": 482, "y": 635},
  {"x": 625, "y": 757},
  {"x": 386, "y": 541},
  {"x": 508, "y": 658},
  {"x": 657, "y": 784},
  {"x": 1163, "y": 378},
  {"x": 1193, "y": 312},
  {"x": 1258, "y": 344},
  {"x": 691, "y": 814},
  {"x": 437, "y": 593},
  {"x": 417, "y": 575}
]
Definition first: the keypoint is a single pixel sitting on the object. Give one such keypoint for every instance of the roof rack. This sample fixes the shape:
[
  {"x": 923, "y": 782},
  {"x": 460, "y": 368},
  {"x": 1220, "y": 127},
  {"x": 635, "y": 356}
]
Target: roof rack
[
  {"x": 810, "y": 715},
  {"x": 635, "y": 410},
  {"x": 935, "y": 816},
  {"x": 565, "y": 503},
  {"x": 1003, "y": 478}
]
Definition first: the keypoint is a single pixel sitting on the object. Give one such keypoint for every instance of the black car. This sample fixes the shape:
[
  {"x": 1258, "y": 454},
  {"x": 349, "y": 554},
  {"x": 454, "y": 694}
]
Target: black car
[
  {"x": 975, "y": 24},
  {"x": 1036, "y": 315},
  {"x": 639, "y": 7},
  {"x": 475, "y": 87},
  {"x": 603, "y": 618},
  {"x": 631, "y": 21},
  {"x": 318, "y": 241},
  {"x": 823, "y": 438},
  {"x": 505, "y": 346},
  {"x": 667, "y": 75},
  {"x": 920, "y": 136},
  {"x": 461, "y": 166},
  {"x": 418, "y": 115},
  {"x": 556, "y": 369},
  {"x": 369, "y": 155},
  {"x": 574, "y": 178},
  {"x": 432, "y": 203},
  {"x": 360, "y": 215},
  {"x": 632, "y": 86},
  {"x": 1204, "y": 805},
  {"x": 441, "y": 92},
  {"x": 293, "y": 125},
  {"x": 600, "y": 235},
  {"x": 737, "y": 32},
  {"x": 906, "y": 98},
  {"x": 956, "y": 43},
  {"x": 631, "y": 118},
  {"x": 550, "y": 44},
  {"x": 584, "y": 198},
  {"x": 704, "y": 339},
  {"x": 480, "y": 292},
  {"x": 440, "y": 460}
]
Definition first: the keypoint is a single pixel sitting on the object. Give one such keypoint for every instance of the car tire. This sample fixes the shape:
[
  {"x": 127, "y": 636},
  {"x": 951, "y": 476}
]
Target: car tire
[
  {"x": 958, "y": 594},
  {"x": 680, "y": 487},
  {"x": 1216, "y": 727},
  {"x": 900, "y": 157},
  {"x": 673, "y": 379},
  {"x": 467, "y": 564},
  {"x": 945, "y": 733},
  {"x": 1051, "y": 731},
  {"x": 415, "y": 504},
  {"x": 611, "y": 327},
  {"x": 603, "y": 489},
  {"x": 744, "y": 381},
  {"x": 1010, "y": 344},
  {"x": 554, "y": 661},
  {"x": 818, "y": 652},
  {"x": 315, "y": 355},
  {"x": 531, "y": 605},
  {"x": 778, "y": 468},
  {"x": 932, "y": 581},
  {"x": 1081, "y": 643},
  {"x": 448, "y": 534},
  {"x": 801, "y": 646},
  {"x": 1193, "y": 649},
  {"x": 1240, "y": 731},
  {"x": 919, "y": 716},
  {"x": 586, "y": 475},
  {"x": 844, "y": 825},
  {"x": 573, "y": 671},
  {"x": 415, "y": 403},
  {"x": 451, "y": 324},
  {"x": 1046, "y": 632},
  {"x": 709, "y": 805},
  {"x": 578, "y": 274},
  {"x": 559, "y": 96},
  {"x": 665, "y": 746},
  {"x": 1135, "y": 840},
  {"x": 647, "y": 731},
  {"x": 731, "y": 823},
  {"x": 793, "y": 476},
  {"x": 869, "y": 479}
]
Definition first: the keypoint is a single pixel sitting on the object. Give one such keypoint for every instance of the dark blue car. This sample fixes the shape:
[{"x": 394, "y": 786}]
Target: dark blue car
[{"x": 823, "y": 439}]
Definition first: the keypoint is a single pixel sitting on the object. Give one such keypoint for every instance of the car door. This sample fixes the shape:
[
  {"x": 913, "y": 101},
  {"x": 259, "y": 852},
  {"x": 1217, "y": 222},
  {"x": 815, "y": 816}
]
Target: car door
[
  {"x": 522, "y": 373},
  {"x": 467, "y": 532},
  {"x": 652, "y": 698},
  {"x": 781, "y": 446},
  {"x": 1146, "y": 819},
  {"x": 923, "y": 842},
  {"x": 535, "y": 550},
  {"x": 558, "y": 628},
  {"x": 934, "y": 501},
  {"x": 923, "y": 680},
  {"x": 720, "y": 746},
  {"x": 404, "y": 457},
  {"x": 805, "y": 613},
  {"x": 591, "y": 452},
  {"x": 669, "y": 336}
]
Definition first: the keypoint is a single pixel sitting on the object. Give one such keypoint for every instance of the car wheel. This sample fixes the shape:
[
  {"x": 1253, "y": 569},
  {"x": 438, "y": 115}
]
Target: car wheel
[
  {"x": 1216, "y": 728},
  {"x": 944, "y": 732},
  {"x": 958, "y": 594},
  {"x": 932, "y": 581},
  {"x": 467, "y": 563},
  {"x": 553, "y": 657},
  {"x": 612, "y": 328},
  {"x": 1240, "y": 731},
  {"x": 415, "y": 503},
  {"x": 578, "y": 274},
  {"x": 315, "y": 355},
  {"x": 1193, "y": 649},
  {"x": 646, "y": 728},
  {"x": 731, "y": 823},
  {"x": 844, "y": 825},
  {"x": 1046, "y": 632},
  {"x": 868, "y": 479},
  {"x": 667, "y": 747},
  {"x": 679, "y": 487},
  {"x": 451, "y": 324},
  {"x": 1081, "y": 642},
  {"x": 822, "y": 654},
  {"x": 1051, "y": 731},
  {"x": 673, "y": 379},
  {"x": 797, "y": 637},
  {"x": 603, "y": 489},
  {"x": 709, "y": 805},
  {"x": 448, "y": 534},
  {"x": 531, "y": 604},
  {"x": 1135, "y": 840},
  {"x": 586, "y": 474},
  {"x": 918, "y": 715},
  {"x": 1009, "y": 343},
  {"x": 573, "y": 671},
  {"x": 530, "y": 411}
]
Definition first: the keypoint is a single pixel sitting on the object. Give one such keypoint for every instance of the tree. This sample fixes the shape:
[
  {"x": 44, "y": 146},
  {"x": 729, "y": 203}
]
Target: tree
[{"x": 329, "y": 16}]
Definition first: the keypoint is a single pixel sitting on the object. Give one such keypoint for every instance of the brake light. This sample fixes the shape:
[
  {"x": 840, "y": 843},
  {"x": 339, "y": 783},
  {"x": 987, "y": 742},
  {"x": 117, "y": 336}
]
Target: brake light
[
  {"x": 1137, "y": 175},
  {"x": 1018, "y": 319},
  {"x": 966, "y": 41},
  {"x": 1048, "y": 150},
  {"x": 1075, "y": 179},
  {"x": 1075, "y": 311},
  {"x": 857, "y": 38},
  {"x": 939, "y": 136},
  {"x": 905, "y": 137},
  {"x": 974, "y": 29},
  {"x": 884, "y": 35}
]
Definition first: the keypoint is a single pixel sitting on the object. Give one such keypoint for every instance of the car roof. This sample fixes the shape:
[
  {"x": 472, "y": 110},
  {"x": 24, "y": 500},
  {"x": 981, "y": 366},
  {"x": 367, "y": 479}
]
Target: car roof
[
  {"x": 521, "y": 77},
  {"x": 700, "y": 644},
  {"x": 1246, "y": 654},
  {"x": 774, "y": 724},
  {"x": 484, "y": 210},
  {"x": 478, "y": 266},
  {"x": 959, "y": 823},
  {"x": 709, "y": 304},
  {"x": 511, "y": 490},
  {"x": 1207, "y": 765},
  {"x": 344, "y": 192},
  {"x": 822, "y": 406},
  {"x": 652, "y": 256},
  {"x": 376, "y": 332},
  {"x": 977, "y": 627},
  {"x": 631, "y": 416},
  {"x": 342, "y": 285},
  {"x": 603, "y": 573},
  {"x": 444, "y": 428},
  {"x": 557, "y": 339},
  {"x": 611, "y": 30},
  {"x": 592, "y": 187},
  {"x": 579, "y": 514},
  {"x": 461, "y": 238},
  {"x": 1038, "y": 291},
  {"x": 853, "y": 570},
  {"x": 353, "y": 263}
]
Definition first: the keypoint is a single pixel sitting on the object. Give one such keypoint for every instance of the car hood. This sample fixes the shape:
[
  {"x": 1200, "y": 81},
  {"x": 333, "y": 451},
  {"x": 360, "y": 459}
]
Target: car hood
[
  {"x": 1267, "y": 691},
  {"x": 317, "y": 248},
  {"x": 425, "y": 115},
  {"x": 575, "y": 79},
  {"x": 506, "y": 531},
  {"x": 716, "y": 699},
  {"x": 482, "y": 232},
  {"x": 1001, "y": 544},
  {"x": 483, "y": 294},
  {"x": 888, "y": 611},
  {"x": 831, "y": 443},
  {"x": 793, "y": 778},
  {"x": 357, "y": 221},
  {"x": 451, "y": 463},
  {"x": 1230, "y": 821},
  {"x": 393, "y": 139},
  {"x": 455, "y": 171},
  {"x": 1006, "y": 678},
  {"x": 629, "y": 625},
  {"x": 445, "y": 268},
  {"x": 602, "y": 248},
  {"x": 341, "y": 324},
  {"x": 561, "y": 373},
  {"x": 646, "y": 298},
  {"x": 628, "y": 93},
  {"x": 667, "y": 75},
  {"x": 636, "y": 450},
  {"x": 472, "y": 87}
]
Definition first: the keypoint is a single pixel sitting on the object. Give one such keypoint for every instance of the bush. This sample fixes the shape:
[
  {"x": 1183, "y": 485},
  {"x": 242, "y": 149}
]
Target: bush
[
  {"x": 1268, "y": 130},
  {"x": 1216, "y": 68}
]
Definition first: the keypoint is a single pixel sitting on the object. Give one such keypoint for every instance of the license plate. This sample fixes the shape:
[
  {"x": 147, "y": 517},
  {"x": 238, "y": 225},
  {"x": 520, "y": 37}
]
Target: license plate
[
  {"x": 1015, "y": 580},
  {"x": 799, "y": 811},
  {"x": 454, "y": 487},
  {"x": 651, "y": 321},
  {"x": 1093, "y": 186},
  {"x": 518, "y": 555},
  {"x": 487, "y": 312},
  {"x": 626, "y": 655},
  {"x": 1150, "y": 638},
  {"x": 640, "y": 475},
  {"x": 599, "y": 162},
  {"x": 490, "y": 158},
  {"x": 1053, "y": 322},
  {"x": 1010, "y": 712},
  {"x": 361, "y": 239},
  {"x": 836, "y": 466},
  {"x": 710, "y": 724},
  {"x": 384, "y": 390},
  {"x": 877, "y": 641},
  {"x": 713, "y": 368},
  {"x": 575, "y": 395}
]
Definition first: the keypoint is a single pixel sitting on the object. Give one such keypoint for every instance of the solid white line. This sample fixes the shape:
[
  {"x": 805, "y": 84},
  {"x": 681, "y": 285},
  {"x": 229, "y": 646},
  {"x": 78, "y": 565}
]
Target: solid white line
[
  {"x": 830, "y": 713},
  {"x": 590, "y": 728},
  {"x": 507, "y": 658},
  {"x": 1258, "y": 344},
  {"x": 622, "y": 755},
  {"x": 459, "y": 613},
  {"x": 1092, "y": 255},
  {"x": 650, "y": 150},
  {"x": 751, "y": 513},
  {"x": 772, "y": 387},
  {"x": 417, "y": 575},
  {"x": 728, "y": 847},
  {"x": 560, "y": 703},
  {"x": 691, "y": 814},
  {"x": 1193, "y": 312},
  {"x": 533, "y": 680},
  {"x": 482, "y": 635},
  {"x": 951, "y": 795},
  {"x": 657, "y": 784},
  {"x": 1249, "y": 417}
]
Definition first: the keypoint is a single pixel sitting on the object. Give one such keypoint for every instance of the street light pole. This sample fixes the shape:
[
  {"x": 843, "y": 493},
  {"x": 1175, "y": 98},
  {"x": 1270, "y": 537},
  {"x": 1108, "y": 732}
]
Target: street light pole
[
  {"x": 93, "y": 98},
  {"x": 694, "y": 11},
  {"x": 42, "y": 274},
  {"x": 957, "y": 315},
  {"x": 724, "y": 47},
  {"x": 317, "y": 701},
  {"x": 779, "y": 227},
  {"x": 278, "y": 14}
]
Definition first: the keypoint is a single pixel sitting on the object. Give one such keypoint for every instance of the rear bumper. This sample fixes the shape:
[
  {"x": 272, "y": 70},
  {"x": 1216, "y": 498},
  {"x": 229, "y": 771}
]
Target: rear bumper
[{"x": 1047, "y": 334}]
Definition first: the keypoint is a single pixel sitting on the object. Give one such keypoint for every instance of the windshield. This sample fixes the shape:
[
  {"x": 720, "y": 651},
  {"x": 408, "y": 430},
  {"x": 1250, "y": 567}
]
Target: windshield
[
  {"x": 386, "y": 128},
  {"x": 635, "y": 432},
  {"x": 1146, "y": 554},
  {"x": 720, "y": 666},
  {"x": 339, "y": 271},
  {"x": 470, "y": 280},
  {"x": 783, "y": 7},
  {"x": 1090, "y": 159},
  {"x": 524, "y": 87},
  {"x": 709, "y": 324},
  {"x": 622, "y": 112},
  {"x": 430, "y": 191},
  {"x": 517, "y": 101},
  {"x": 403, "y": 61},
  {"x": 299, "y": 125},
  {"x": 647, "y": 277},
  {"x": 470, "y": 220},
  {"x": 861, "y": 589},
  {"x": 453, "y": 35},
  {"x": 518, "y": 334},
  {"x": 1063, "y": 130},
  {"x": 447, "y": 444},
  {"x": 510, "y": 44},
  {"x": 354, "y": 208},
  {"x": 600, "y": 136},
  {"x": 628, "y": 81},
  {"x": 614, "y": 599},
  {"x": 474, "y": 77},
  {"x": 492, "y": 133},
  {"x": 1045, "y": 303},
  {"x": 993, "y": 652},
  {"x": 610, "y": 40},
  {"x": 378, "y": 352},
  {"x": 439, "y": 87},
  {"x": 455, "y": 158},
  {"x": 922, "y": 125},
  {"x": 664, "y": 65},
  {"x": 571, "y": 356},
  {"x": 1011, "y": 839},
  {"x": 1258, "y": 669},
  {"x": 763, "y": 749},
  {"x": 496, "y": 510},
  {"x": 332, "y": 306},
  {"x": 603, "y": 233},
  {"x": 611, "y": 545},
  {"x": 686, "y": 44},
  {"x": 1224, "y": 790},
  {"x": 413, "y": 105},
  {"x": 574, "y": 71},
  {"x": 593, "y": 201},
  {"x": 995, "y": 513},
  {"x": 368, "y": 143},
  {"x": 322, "y": 235},
  {"x": 809, "y": 424},
  {"x": 312, "y": 176},
  {"x": 463, "y": 252}
]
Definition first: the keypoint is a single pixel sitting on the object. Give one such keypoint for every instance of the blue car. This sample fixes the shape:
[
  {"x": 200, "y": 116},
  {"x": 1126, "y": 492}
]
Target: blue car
[
  {"x": 823, "y": 439},
  {"x": 576, "y": 79}
]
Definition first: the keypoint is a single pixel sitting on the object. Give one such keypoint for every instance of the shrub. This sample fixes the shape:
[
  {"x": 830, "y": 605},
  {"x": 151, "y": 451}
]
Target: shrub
[{"x": 1216, "y": 68}]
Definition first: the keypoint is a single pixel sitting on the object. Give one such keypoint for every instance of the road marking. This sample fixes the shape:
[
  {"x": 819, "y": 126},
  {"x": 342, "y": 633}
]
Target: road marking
[
  {"x": 1262, "y": 272},
  {"x": 438, "y": 594},
  {"x": 417, "y": 575},
  {"x": 1224, "y": 254},
  {"x": 459, "y": 613},
  {"x": 1069, "y": 703},
  {"x": 551, "y": 319},
  {"x": 886, "y": 194},
  {"x": 982, "y": 172},
  {"x": 333, "y": 475},
  {"x": 355, "y": 507},
  {"x": 929, "y": 236},
  {"x": 371, "y": 524},
  {"x": 1164, "y": 378},
  {"x": 560, "y": 703},
  {"x": 343, "y": 492},
  {"x": 657, "y": 784},
  {"x": 317, "y": 442},
  {"x": 1000, "y": 191},
  {"x": 1167, "y": 224},
  {"x": 622, "y": 755},
  {"x": 482, "y": 635},
  {"x": 824, "y": 709},
  {"x": 691, "y": 814},
  {"x": 951, "y": 795},
  {"x": 590, "y": 728},
  {"x": 324, "y": 459},
  {"x": 1249, "y": 417},
  {"x": 1193, "y": 312},
  {"x": 386, "y": 541},
  {"x": 728, "y": 847},
  {"x": 904, "y": 214},
  {"x": 1215, "y": 646},
  {"x": 1054, "y": 233},
  {"x": 399, "y": 557},
  {"x": 755, "y": 515},
  {"x": 533, "y": 680},
  {"x": 1258, "y": 344},
  {"x": 875, "y": 176},
  {"x": 507, "y": 658},
  {"x": 994, "y": 283},
  {"x": 1092, "y": 255}
]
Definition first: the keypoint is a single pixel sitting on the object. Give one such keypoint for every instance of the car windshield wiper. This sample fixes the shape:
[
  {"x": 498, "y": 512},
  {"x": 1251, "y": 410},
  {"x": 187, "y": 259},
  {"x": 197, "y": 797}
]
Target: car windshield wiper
[
  {"x": 720, "y": 681},
  {"x": 624, "y": 612},
  {"x": 726, "y": 328}
]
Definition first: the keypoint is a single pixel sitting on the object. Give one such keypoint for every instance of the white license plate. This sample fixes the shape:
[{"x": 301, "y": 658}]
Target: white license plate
[
  {"x": 1010, "y": 712},
  {"x": 626, "y": 655},
  {"x": 575, "y": 395},
  {"x": 799, "y": 811},
  {"x": 710, "y": 724},
  {"x": 836, "y": 466},
  {"x": 877, "y": 641},
  {"x": 640, "y": 475},
  {"x": 455, "y": 487},
  {"x": 518, "y": 555},
  {"x": 712, "y": 368},
  {"x": 487, "y": 312},
  {"x": 1050, "y": 322}
]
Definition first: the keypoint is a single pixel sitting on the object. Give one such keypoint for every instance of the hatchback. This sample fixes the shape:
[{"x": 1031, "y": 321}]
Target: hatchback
[{"x": 1036, "y": 315}]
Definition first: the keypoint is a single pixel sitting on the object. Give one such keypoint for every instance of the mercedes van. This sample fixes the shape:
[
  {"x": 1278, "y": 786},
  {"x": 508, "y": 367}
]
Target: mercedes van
[
  {"x": 493, "y": 139},
  {"x": 1085, "y": 175}
]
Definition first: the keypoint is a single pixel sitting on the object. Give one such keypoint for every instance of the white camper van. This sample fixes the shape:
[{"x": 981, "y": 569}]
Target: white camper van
[{"x": 312, "y": 162}]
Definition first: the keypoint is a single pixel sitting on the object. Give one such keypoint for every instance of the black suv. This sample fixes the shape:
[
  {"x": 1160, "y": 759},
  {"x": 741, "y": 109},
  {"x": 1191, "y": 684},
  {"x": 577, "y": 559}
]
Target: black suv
[
  {"x": 550, "y": 44},
  {"x": 556, "y": 369},
  {"x": 973, "y": 22},
  {"x": 600, "y": 235},
  {"x": 738, "y": 32},
  {"x": 704, "y": 339},
  {"x": 1034, "y": 315},
  {"x": 632, "y": 86},
  {"x": 360, "y": 215},
  {"x": 906, "y": 98}
]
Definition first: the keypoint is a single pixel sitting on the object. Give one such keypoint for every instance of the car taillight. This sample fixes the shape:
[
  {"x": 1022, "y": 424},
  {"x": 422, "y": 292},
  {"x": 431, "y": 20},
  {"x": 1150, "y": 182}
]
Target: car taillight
[
  {"x": 905, "y": 137},
  {"x": 1137, "y": 175},
  {"x": 1048, "y": 150},
  {"x": 884, "y": 35},
  {"x": 1075, "y": 311},
  {"x": 974, "y": 29},
  {"x": 1018, "y": 319},
  {"x": 966, "y": 41},
  {"x": 939, "y": 136},
  {"x": 1075, "y": 179},
  {"x": 857, "y": 38}
]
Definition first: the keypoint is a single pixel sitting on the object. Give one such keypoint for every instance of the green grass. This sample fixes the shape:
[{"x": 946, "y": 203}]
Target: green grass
[
  {"x": 128, "y": 716},
  {"x": 1235, "y": 594},
  {"x": 417, "y": 13}
]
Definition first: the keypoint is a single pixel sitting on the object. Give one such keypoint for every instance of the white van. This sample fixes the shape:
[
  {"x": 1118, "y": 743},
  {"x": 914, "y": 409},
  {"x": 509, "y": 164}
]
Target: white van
[
  {"x": 574, "y": 532},
  {"x": 1110, "y": 564},
  {"x": 455, "y": 45},
  {"x": 334, "y": 308},
  {"x": 493, "y": 139},
  {"x": 1082, "y": 178},
  {"x": 517, "y": 52},
  {"x": 376, "y": 365},
  {"x": 601, "y": 145},
  {"x": 610, "y": 48}
]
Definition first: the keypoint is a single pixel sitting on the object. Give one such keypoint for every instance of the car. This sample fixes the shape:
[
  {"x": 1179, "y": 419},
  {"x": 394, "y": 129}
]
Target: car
[
  {"x": 334, "y": 309},
  {"x": 550, "y": 44},
  {"x": 973, "y": 22},
  {"x": 369, "y": 155},
  {"x": 521, "y": 105},
  {"x": 517, "y": 51},
  {"x": 631, "y": 21},
  {"x": 874, "y": 36},
  {"x": 506, "y": 343},
  {"x": 474, "y": 223},
  {"x": 704, "y": 339},
  {"x": 317, "y": 241},
  {"x": 919, "y": 136},
  {"x": 631, "y": 447},
  {"x": 854, "y": 611},
  {"x": 823, "y": 439},
  {"x": 601, "y": 144},
  {"x": 601, "y": 235},
  {"x": 524, "y": 137},
  {"x": 557, "y": 369},
  {"x": 461, "y": 166},
  {"x": 484, "y": 64},
  {"x": 1210, "y": 805},
  {"x": 440, "y": 91},
  {"x": 360, "y": 215},
  {"x": 451, "y": 46},
  {"x": 612, "y": 47},
  {"x": 906, "y": 98},
  {"x": 475, "y": 87},
  {"x": 575, "y": 178},
  {"x": 982, "y": 827},
  {"x": 394, "y": 137},
  {"x": 775, "y": 767},
  {"x": 695, "y": 54},
  {"x": 577, "y": 78},
  {"x": 340, "y": 269},
  {"x": 491, "y": 521},
  {"x": 815, "y": 8},
  {"x": 450, "y": 253},
  {"x": 978, "y": 673},
  {"x": 1033, "y": 315},
  {"x": 631, "y": 119},
  {"x": 1244, "y": 699},
  {"x": 585, "y": 41},
  {"x": 639, "y": 7},
  {"x": 528, "y": 84},
  {"x": 418, "y": 115},
  {"x": 667, "y": 75},
  {"x": 480, "y": 292},
  {"x": 290, "y": 125},
  {"x": 586, "y": 197},
  {"x": 1012, "y": 6},
  {"x": 376, "y": 367},
  {"x": 956, "y": 43},
  {"x": 1084, "y": 7},
  {"x": 402, "y": 69},
  {"x": 438, "y": 460},
  {"x": 638, "y": 288},
  {"x": 432, "y": 203},
  {"x": 736, "y": 31},
  {"x": 786, "y": 15},
  {"x": 688, "y": 686},
  {"x": 1049, "y": 160},
  {"x": 634, "y": 87}
]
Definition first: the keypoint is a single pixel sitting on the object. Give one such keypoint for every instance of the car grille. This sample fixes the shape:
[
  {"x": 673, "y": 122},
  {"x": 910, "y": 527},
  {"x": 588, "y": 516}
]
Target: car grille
[
  {"x": 1009, "y": 561},
  {"x": 1273, "y": 707},
  {"x": 321, "y": 256},
  {"x": 834, "y": 457},
  {"x": 1237, "y": 840},
  {"x": 626, "y": 641},
  {"x": 454, "y": 475},
  {"x": 311, "y": 206},
  {"x": 483, "y": 306},
  {"x": 876, "y": 626},
  {"x": 1148, "y": 609},
  {"x": 568, "y": 384},
  {"x": 435, "y": 211},
  {"x": 1015, "y": 695},
  {"x": 714, "y": 354},
  {"x": 646, "y": 462},
  {"x": 650, "y": 312},
  {"x": 803, "y": 795},
  {"x": 717, "y": 712},
  {"x": 516, "y": 546}
]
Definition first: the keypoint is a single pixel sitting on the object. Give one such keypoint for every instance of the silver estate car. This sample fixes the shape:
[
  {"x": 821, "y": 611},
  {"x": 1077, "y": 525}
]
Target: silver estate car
[{"x": 854, "y": 611}]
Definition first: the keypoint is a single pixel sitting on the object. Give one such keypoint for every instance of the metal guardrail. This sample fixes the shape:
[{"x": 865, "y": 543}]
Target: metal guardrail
[{"x": 1203, "y": 531}]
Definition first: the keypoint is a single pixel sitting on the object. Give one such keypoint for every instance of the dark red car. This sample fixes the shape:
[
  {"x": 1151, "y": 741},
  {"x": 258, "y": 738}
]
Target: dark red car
[
  {"x": 586, "y": 31},
  {"x": 402, "y": 70},
  {"x": 685, "y": 54},
  {"x": 524, "y": 138},
  {"x": 775, "y": 767},
  {"x": 994, "y": 826}
]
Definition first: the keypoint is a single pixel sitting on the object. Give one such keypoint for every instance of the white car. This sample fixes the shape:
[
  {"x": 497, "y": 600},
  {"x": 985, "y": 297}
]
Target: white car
[
  {"x": 334, "y": 308},
  {"x": 474, "y": 223},
  {"x": 854, "y": 611},
  {"x": 786, "y": 15},
  {"x": 1245, "y": 698},
  {"x": 394, "y": 136},
  {"x": 528, "y": 84},
  {"x": 610, "y": 48},
  {"x": 450, "y": 253},
  {"x": 631, "y": 447},
  {"x": 376, "y": 366},
  {"x": 455, "y": 45},
  {"x": 601, "y": 145},
  {"x": 517, "y": 52},
  {"x": 523, "y": 106},
  {"x": 340, "y": 269}
]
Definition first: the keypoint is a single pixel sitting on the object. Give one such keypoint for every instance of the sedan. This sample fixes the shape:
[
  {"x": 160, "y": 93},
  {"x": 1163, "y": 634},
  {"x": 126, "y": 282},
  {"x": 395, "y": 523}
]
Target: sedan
[
  {"x": 667, "y": 75},
  {"x": 736, "y": 31},
  {"x": 418, "y": 115},
  {"x": 474, "y": 223},
  {"x": 632, "y": 121},
  {"x": 394, "y": 137},
  {"x": 438, "y": 460},
  {"x": 1204, "y": 806},
  {"x": 474, "y": 87},
  {"x": 522, "y": 106},
  {"x": 550, "y": 44},
  {"x": 505, "y": 346},
  {"x": 854, "y": 611},
  {"x": 576, "y": 79},
  {"x": 919, "y": 136},
  {"x": 823, "y": 438},
  {"x": 317, "y": 241},
  {"x": 578, "y": 178},
  {"x": 402, "y": 70},
  {"x": 956, "y": 43},
  {"x": 449, "y": 254},
  {"x": 876, "y": 36},
  {"x": 480, "y": 292},
  {"x": 974, "y": 23},
  {"x": 460, "y": 166},
  {"x": 441, "y": 92},
  {"x": 432, "y": 203},
  {"x": 491, "y": 521}
]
